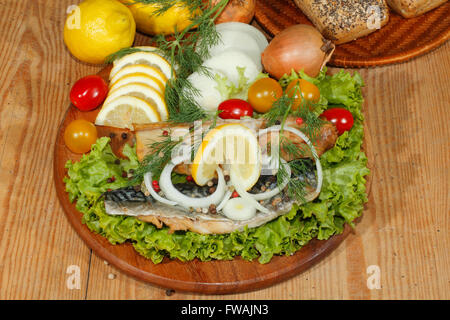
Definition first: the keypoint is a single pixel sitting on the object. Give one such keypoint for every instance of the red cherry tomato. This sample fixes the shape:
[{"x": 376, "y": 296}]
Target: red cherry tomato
[
  {"x": 80, "y": 135},
  {"x": 299, "y": 121},
  {"x": 235, "y": 109},
  {"x": 340, "y": 117},
  {"x": 89, "y": 92}
]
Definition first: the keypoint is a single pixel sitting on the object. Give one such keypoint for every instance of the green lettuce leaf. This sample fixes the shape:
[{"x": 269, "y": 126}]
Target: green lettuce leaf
[
  {"x": 228, "y": 90},
  {"x": 88, "y": 178}
]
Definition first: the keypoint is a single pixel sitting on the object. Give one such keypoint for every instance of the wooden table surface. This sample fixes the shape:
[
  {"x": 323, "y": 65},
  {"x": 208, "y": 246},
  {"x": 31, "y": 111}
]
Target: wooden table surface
[{"x": 403, "y": 236}]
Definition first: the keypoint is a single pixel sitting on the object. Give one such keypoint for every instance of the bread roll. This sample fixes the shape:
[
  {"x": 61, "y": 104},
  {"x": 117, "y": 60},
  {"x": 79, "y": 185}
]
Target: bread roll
[
  {"x": 414, "y": 8},
  {"x": 345, "y": 20}
]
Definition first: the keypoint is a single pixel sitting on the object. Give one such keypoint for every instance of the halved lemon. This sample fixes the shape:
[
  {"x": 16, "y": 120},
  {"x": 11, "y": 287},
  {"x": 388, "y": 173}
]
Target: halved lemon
[
  {"x": 144, "y": 92},
  {"x": 231, "y": 145},
  {"x": 143, "y": 57},
  {"x": 139, "y": 68},
  {"x": 123, "y": 111}
]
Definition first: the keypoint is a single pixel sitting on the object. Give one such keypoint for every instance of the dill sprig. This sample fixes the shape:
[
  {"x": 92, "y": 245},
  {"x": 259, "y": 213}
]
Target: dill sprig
[
  {"x": 279, "y": 111},
  {"x": 121, "y": 53},
  {"x": 163, "y": 5},
  {"x": 297, "y": 186},
  {"x": 159, "y": 155},
  {"x": 294, "y": 150},
  {"x": 187, "y": 50},
  {"x": 180, "y": 101},
  {"x": 313, "y": 123},
  {"x": 283, "y": 107},
  {"x": 278, "y": 114}
]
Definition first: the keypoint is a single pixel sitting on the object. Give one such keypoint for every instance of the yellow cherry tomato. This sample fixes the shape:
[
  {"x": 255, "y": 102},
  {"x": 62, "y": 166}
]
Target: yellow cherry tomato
[
  {"x": 300, "y": 90},
  {"x": 80, "y": 135},
  {"x": 263, "y": 93}
]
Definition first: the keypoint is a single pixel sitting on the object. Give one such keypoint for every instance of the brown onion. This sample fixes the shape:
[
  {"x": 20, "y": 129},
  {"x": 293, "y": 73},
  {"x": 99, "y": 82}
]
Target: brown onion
[
  {"x": 237, "y": 11},
  {"x": 300, "y": 47}
]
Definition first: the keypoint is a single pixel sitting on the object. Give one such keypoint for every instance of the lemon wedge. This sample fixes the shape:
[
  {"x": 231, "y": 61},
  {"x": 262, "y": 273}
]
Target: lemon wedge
[
  {"x": 143, "y": 57},
  {"x": 232, "y": 145},
  {"x": 144, "y": 92},
  {"x": 141, "y": 69},
  {"x": 123, "y": 111}
]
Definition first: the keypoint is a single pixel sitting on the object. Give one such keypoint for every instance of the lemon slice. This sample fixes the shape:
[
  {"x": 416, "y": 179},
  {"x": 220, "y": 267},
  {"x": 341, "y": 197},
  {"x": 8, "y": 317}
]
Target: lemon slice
[
  {"x": 143, "y": 57},
  {"x": 141, "y": 69},
  {"x": 144, "y": 92},
  {"x": 123, "y": 111},
  {"x": 139, "y": 78},
  {"x": 232, "y": 145},
  {"x": 147, "y": 48}
]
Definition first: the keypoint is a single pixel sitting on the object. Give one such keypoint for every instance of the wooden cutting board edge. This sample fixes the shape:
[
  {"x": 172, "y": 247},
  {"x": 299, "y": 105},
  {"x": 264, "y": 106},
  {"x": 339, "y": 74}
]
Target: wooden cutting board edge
[{"x": 302, "y": 260}]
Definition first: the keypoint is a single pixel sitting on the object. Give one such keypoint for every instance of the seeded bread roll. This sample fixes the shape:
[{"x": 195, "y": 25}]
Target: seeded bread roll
[
  {"x": 414, "y": 8},
  {"x": 345, "y": 20}
]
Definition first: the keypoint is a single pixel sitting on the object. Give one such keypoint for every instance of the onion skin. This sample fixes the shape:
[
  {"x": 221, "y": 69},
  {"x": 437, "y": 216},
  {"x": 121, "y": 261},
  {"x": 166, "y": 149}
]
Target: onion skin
[
  {"x": 237, "y": 11},
  {"x": 299, "y": 47}
]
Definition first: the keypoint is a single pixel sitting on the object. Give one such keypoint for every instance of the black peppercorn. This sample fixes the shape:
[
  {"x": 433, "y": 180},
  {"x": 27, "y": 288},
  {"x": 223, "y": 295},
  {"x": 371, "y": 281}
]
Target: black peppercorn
[{"x": 170, "y": 292}]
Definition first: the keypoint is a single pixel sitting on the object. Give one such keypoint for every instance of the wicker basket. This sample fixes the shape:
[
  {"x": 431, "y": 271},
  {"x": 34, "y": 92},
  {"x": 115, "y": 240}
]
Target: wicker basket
[{"x": 400, "y": 40}]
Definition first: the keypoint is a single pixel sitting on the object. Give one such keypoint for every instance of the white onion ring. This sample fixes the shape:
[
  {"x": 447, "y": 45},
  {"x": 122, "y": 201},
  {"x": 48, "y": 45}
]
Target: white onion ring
[
  {"x": 314, "y": 152},
  {"x": 244, "y": 211},
  {"x": 165, "y": 183},
  {"x": 247, "y": 196},
  {"x": 277, "y": 190},
  {"x": 224, "y": 200},
  {"x": 155, "y": 195}
]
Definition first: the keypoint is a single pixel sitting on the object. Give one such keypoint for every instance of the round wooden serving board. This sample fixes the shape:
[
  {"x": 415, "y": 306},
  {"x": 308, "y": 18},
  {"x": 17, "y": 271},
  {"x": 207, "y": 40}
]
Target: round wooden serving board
[
  {"x": 398, "y": 41},
  {"x": 213, "y": 277}
]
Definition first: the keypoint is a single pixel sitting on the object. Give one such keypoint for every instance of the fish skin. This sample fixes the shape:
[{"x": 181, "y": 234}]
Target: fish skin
[{"x": 178, "y": 218}]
